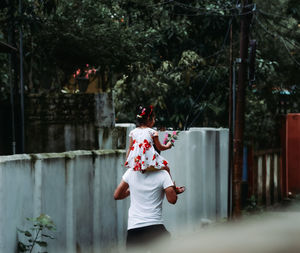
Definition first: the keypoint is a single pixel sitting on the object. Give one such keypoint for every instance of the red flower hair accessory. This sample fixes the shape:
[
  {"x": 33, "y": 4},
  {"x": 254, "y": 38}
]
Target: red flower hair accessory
[
  {"x": 142, "y": 114},
  {"x": 151, "y": 110}
]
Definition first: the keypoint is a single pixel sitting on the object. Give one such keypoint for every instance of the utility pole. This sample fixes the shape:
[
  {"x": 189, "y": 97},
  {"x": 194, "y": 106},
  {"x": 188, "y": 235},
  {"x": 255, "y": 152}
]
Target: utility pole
[
  {"x": 230, "y": 106},
  {"x": 21, "y": 81},
  {"x": 245, "y": 16},
  {"x": 12, "y": 71}
]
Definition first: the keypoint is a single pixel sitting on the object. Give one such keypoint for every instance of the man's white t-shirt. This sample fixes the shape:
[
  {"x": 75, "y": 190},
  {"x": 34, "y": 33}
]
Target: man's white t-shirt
[{"x": 146, "y": 196}]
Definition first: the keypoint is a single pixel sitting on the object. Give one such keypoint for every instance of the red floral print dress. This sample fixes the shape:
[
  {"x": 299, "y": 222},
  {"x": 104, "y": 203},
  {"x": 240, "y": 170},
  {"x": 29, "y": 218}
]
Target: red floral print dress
[{"x": 142, "y": 154}]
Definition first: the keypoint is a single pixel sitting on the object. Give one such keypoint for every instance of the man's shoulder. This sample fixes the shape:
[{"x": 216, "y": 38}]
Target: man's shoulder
[
  {"x": 129, "y": 171},
  {"x": 164, "y": 172},
  {"x": 153, "y": 173},
  {"x": 164, "y": 179},
  {"x": 159, "y": 173},
  {"x": 127, "y": 174}
]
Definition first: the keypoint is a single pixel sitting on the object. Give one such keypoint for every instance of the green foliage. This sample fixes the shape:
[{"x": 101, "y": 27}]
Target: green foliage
[
  {"x": 277, "y": 71},
  {"x": 62, "y": 36},
  {"x": 171, "y": 88},
  {"x": 172, "y": 54},
  {"x": 34, "y": 236},
  {"x": 278, "y": 39},
  {"x": 252, "y": 207},
  {"x": 4, "y": 81},
  {"x": 186, "y": 75}
]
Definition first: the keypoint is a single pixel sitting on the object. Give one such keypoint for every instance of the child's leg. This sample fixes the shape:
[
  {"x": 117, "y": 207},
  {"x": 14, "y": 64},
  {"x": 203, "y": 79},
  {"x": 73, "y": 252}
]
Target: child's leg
[{"x": 167, "y": 169}]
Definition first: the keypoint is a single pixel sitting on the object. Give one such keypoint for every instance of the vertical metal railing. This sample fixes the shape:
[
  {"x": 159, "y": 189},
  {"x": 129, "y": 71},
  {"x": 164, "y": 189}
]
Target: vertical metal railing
[{"x": 266, "y": 176}]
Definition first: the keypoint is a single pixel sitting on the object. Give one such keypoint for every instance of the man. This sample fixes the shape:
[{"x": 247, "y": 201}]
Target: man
[{"x": 146, "y": 191}]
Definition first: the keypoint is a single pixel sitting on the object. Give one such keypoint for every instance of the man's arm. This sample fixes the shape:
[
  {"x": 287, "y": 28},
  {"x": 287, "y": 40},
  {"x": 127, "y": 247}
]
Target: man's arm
[
  {"x": 122, "y": 191},
  {"x": 171, "y": 194}
]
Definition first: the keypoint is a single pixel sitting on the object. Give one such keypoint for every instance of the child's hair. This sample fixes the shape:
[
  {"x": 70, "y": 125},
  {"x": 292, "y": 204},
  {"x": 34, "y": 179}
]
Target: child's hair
[{"x": 144, "y": 114}]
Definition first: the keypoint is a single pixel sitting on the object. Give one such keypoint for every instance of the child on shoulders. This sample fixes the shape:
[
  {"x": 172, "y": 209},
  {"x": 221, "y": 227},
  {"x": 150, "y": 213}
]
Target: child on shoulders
[{"x": 142, "y": 155}]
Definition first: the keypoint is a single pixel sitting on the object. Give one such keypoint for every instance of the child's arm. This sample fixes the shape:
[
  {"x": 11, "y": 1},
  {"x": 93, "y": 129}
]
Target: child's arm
[
  {"x": 160, "y": 146},
  {"x": 130, "y": 145}
]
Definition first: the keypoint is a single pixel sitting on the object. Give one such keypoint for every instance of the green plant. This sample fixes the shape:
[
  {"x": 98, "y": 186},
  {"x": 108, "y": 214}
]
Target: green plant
[
  {"x": 36, "y": 233},
  {"x": 252, "y": 206}
]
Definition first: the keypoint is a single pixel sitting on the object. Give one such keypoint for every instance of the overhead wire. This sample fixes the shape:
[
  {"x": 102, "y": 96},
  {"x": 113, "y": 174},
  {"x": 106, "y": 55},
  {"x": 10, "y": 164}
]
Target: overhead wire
[
  {"x": 212, "y": 12},
  {"x": 160, "y": 4},
  {"x": 188, "y": 6},
  {"x": 281, "y": 38},
  {"x": 289, "y": 52},
  {"x": 272, "y": 14},
  {"x": 198, "y": 114},
  {"x": 206, "y": 9},
  {"x": 293, "y": 43},
  {"x": 278, "y": 22},
  {"x": 284, "y": 41},
  {"x": 218, "y": 53},
  {"x": 221, "y": 50},
  {"x": 210, "y": 76},
  {"x": 214, "y": 54}
]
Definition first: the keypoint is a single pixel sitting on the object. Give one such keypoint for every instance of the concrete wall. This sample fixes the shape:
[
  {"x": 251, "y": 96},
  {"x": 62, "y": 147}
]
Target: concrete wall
[
  {"x": 76, "y": 189},
  {"x": 58, "y": 122},
  {"x": 199, "y": 161},
  {"x": 116, "y": 137},
  {"x": 64, "y": 122}
]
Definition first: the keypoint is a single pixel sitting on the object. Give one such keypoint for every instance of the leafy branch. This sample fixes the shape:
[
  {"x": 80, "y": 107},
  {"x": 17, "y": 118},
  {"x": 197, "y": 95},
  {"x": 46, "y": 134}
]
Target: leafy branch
[{"x": 39, "y": 225}]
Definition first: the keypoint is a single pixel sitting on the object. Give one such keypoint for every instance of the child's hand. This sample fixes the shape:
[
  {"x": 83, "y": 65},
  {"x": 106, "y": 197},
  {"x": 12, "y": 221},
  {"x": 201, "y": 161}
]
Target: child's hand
[
  {"x": 169, "y": 145},
  {"x": 171, "y": 137}
]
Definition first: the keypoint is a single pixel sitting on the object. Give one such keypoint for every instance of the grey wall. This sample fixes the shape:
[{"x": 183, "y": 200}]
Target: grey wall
[
  {"x": 59, "y": 123},
  {"x": 76, "y": 189},
  {"x": 199, "y": 160}
]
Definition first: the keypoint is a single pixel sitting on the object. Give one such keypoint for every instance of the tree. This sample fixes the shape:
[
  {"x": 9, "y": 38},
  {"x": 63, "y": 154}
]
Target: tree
[
  {"x": 277, "y": 72},
  {"x": 144, "y": 44},
  {"x": 115, "y": 36},
  {"x": 187, "y": 73}
]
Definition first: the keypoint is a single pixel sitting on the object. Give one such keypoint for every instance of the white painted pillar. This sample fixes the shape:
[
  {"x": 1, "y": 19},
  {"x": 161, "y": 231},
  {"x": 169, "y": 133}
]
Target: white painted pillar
[{"x": 70, "y": 219}]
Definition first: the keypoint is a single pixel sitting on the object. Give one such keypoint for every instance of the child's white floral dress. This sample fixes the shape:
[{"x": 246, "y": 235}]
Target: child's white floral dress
[{"x": 142, "y": 154}]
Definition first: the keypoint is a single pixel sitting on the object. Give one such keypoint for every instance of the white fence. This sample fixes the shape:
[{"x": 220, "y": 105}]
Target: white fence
[
  {"x": 76, "y": 189},
  {"x": 265, "y": 176}
]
